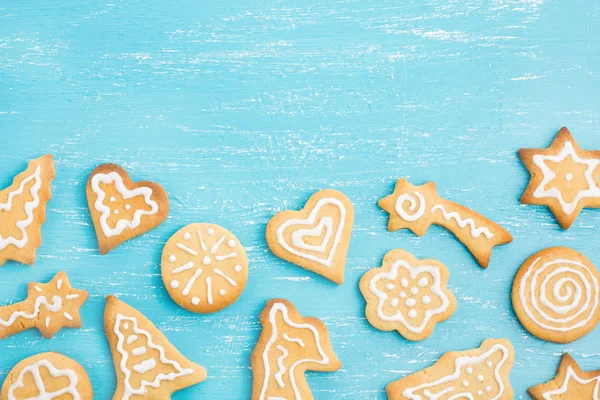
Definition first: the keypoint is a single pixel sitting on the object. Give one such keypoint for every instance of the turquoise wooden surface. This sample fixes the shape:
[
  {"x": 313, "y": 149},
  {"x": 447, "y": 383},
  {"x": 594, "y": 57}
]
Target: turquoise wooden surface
[{"x": 243, "y": 108}]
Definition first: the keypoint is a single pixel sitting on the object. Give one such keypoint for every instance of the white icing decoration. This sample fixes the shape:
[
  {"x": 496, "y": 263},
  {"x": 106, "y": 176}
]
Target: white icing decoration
[
  {"x": 574, "y": 274},
  {"x": 54, "y": 306},
  {"x": 462, "y": 223},
  {"x": 195, "y": 301},
  {"x": 172, "y": 258},
  {"x": 593, "y": 191},
  {"x": 324, "y": 223},
  {"x": 34, "y": 369},
  {"x": 571, "y": 375},
  {"x": 412, "y": 204},
  {"x": 145, "y": 365},
  {"x": 435, "y": 288},
  {"x": 459, "y": 363},
  {"x": 121, "y": 224},
  {"x": 324, "y": 359},
  {"x": 29, "y": 207}
]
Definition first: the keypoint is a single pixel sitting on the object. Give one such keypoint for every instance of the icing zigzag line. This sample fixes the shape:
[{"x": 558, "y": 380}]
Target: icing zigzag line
[{"x": 475, "y": 232}]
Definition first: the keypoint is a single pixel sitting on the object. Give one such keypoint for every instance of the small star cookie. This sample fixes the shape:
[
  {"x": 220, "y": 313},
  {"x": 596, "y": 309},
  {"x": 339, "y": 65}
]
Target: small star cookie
[
  {"x": 564, "y": 178},
  {"x": 49, "y": 307},
  {"x": 570, "y": 383}
]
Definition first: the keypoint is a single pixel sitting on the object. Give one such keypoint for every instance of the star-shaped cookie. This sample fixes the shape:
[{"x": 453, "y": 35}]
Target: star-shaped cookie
[
  {"x": 570, "y": 383},
  {"x": 49, "y": 307},
  {"x": 564, "y": 178}
]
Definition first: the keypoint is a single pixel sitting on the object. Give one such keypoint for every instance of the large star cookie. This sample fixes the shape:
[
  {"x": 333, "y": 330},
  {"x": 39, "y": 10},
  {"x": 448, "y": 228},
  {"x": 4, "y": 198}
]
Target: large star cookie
[
  {"x": 570, "y": 383},
  {"x": 563, "y": 177},
  {"x": 23, "y": 211}
]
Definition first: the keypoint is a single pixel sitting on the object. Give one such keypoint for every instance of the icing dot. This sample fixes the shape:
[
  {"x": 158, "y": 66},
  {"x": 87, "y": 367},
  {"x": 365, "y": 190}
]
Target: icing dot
[
  {"x": 410, "y": 302},
  {"x": 112, "y": 199},
  {"x": 412, "y": 314},
  {"x": 465, "y": 383},
  {"x": 222, "y": 292},
  {"x": 414, "y": 290},
  {"x": 395, "y": 302},
  {"x": 426, "y": 300},
  {"x": 469, "y": 370},
  {"x": 423, "y": 282},
  {"x": 211, "y": 231},
  {"x": 126, "y": 325},
  {"x": 569, "y": 177},
  {"x": 231, "y": 243},
  {"x": 389, "y": 286},
  {"x": 195, "y": 301},
  {"x": 187, "y": 236},
  {"x": 172, "y": 258},
  {"x": 116, "y": 212},
  {"x": 489, "y": 363},
  {"x": 174, "y": 284},
  {"x": 480, "y": 392},
  {"x": 404, "y": 282},
  {"x": 402, "y": 294},
  {"x": 480, "y": 378},
  {"x": 488, "y": 389},
  {"x": 127, "y": 207},
  {"x": 238, "y": 268},
  {"x": 206, "y": 260}
]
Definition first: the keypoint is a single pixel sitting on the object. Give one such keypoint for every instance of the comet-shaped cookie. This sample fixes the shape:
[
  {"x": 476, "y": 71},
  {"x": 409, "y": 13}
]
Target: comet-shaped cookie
[
  {"x": 417, "y": 207},
  {"x": 49, "y": 308}
]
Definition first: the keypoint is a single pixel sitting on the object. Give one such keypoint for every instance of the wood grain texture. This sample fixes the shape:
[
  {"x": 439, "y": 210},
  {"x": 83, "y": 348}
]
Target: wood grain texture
[{"x": 244, "y": 108}]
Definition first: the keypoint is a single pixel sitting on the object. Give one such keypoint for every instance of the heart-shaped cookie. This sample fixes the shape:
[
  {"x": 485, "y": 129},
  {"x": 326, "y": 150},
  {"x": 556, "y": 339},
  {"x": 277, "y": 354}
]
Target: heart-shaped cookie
[
  {"x": 122, "y": 209},
  {"x": 317, "y": 237}
]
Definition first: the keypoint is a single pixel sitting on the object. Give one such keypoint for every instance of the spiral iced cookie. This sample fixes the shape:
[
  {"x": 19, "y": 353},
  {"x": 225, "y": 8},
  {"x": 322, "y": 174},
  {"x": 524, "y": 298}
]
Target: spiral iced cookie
[
  {"x": 204, "y": 268},
  {"x": 47, "y": 376},
  {"x": 555, "y": 295}
]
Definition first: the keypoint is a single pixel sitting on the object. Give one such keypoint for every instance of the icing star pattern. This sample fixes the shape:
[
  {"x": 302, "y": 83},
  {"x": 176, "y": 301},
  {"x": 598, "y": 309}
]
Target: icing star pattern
[
  {"x": 571, "y": 382},
  {"x": 563, "y": 177}
]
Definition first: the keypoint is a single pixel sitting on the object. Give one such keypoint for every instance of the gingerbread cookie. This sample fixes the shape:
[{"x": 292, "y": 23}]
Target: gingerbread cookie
[
  {"x": 481, "y": 373},
  {"x": 563, "y": 177},
  {"x": 417, "y": 207},
  {"x": 556, "y": 293},
  {"x": 23, "y": 211},
  {"x": 288, "y": 346},
  {"x": 122, "y": 209},
  {"x": 47, "y": 376},
  {"x": 570, "y": 383},
  {"x": 49, "y": 308},
  {"x": 317, "y": 237},
  {"x": 147, "y": 365},
  {"x": 204, "y": 268},
  {"x": 407, "y": 295}
]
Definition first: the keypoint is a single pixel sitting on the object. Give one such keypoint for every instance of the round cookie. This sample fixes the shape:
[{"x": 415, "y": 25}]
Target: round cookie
[
  {"x": 47, "y": 376},
  {"x": 204, "y": 268},
  {"x": 556, "y": 295}
]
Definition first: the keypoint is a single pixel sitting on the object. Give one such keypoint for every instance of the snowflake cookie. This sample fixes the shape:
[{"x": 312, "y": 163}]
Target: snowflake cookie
[
  {"x": 407, "y": 295},
  {"x": 204, "y": 268}
]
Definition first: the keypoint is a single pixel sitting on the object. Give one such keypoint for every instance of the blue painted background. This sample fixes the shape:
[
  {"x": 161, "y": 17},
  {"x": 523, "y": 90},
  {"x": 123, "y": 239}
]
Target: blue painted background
[{"x": 243, "y": 108}]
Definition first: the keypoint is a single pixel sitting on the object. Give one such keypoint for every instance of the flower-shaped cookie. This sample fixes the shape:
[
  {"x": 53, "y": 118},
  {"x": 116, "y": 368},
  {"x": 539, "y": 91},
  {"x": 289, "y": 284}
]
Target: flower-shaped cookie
[{"x": 407, "y": 295}]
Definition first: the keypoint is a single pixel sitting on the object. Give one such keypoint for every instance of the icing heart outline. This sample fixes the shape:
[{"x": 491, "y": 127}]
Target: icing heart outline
[
  {"x": 310, "y": 221},
  {"x": 325, "y": 222}
]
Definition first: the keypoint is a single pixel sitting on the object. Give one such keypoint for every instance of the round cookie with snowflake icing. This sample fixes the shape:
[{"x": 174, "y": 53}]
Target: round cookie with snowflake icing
[{"x": 204, "y": 268}]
